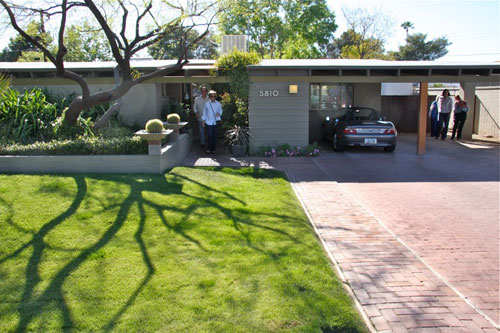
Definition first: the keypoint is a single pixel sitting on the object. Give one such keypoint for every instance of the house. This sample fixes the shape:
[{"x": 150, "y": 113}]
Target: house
[{"x": 288, "y": 98}]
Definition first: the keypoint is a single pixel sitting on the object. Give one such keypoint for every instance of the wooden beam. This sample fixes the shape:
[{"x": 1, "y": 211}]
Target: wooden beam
[{"x": 422, "y": 118}]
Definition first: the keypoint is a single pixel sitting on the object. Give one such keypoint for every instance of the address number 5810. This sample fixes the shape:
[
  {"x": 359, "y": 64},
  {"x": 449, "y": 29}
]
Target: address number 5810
[{"x": 268, "y": 93}]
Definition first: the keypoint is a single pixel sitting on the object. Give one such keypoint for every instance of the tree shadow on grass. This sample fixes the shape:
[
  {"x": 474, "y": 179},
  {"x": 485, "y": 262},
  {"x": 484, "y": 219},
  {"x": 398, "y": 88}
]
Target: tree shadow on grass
[
  {"x": 34, "y": 305},
  {"x": 28, "y": 309},
  {"x": 230, "y": 214}
]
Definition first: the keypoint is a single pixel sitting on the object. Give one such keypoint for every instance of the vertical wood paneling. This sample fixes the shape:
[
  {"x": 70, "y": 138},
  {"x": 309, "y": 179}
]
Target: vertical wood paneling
[{"x": 281, "y": 117}]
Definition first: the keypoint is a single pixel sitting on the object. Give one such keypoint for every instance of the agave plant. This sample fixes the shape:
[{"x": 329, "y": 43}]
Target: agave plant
[{"x": 237, "y": 135}]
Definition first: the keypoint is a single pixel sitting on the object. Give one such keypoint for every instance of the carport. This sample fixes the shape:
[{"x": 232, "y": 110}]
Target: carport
[{"x": 282, "y": 91}]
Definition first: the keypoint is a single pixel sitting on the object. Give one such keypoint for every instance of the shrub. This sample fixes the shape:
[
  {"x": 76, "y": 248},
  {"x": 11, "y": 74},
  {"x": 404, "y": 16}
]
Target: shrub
[
  {"x": 28, "y": 116},
  {"x": 63, "y": 130},
  {"x": 115, "y": 129},
  {"x": 82, "y": 146},
  {"x": 234, "y": 66},
  {"x": 154, "y": 126},
  {"x": 173, "y": 118},
  {"x": 38, "y": 115},
  {"x": 235, "y": 111},
  {"x": 175, "y": 107}
]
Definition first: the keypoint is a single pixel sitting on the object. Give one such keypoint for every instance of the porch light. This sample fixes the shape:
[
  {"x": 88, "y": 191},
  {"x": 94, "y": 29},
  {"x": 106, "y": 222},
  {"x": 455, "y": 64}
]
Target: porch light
[{"x": 293, "y": 89}]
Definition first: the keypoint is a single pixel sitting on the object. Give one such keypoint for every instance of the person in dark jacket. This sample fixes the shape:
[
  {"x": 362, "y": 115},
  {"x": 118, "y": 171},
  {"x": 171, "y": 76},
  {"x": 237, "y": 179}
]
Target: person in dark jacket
[{"x": 459, "y": 115}]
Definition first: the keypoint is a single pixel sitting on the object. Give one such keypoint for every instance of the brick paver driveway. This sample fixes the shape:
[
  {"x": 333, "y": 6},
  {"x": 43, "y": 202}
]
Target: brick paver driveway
[{"x": 443, "y": 206}]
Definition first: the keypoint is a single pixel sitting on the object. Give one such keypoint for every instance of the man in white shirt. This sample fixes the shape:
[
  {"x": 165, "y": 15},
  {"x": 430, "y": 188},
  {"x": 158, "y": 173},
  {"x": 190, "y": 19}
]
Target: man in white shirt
[
  {"x": 211, "y": 114},
  {"x": 199, "y": 104}
]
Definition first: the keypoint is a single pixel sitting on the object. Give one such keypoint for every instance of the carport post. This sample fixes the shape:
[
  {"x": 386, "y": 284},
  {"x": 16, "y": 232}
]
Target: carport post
[{"x": 422, "y": 118}]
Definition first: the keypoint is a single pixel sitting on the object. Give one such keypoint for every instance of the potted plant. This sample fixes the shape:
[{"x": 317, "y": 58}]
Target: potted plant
[
  {"x": 237, "y": 137},
  {"x": 154, "y": 132},
  {"x": 174, "y": 123}
]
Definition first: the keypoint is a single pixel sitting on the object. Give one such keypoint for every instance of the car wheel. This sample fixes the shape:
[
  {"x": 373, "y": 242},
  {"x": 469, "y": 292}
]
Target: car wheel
[
  {"x": 390, "y": 148},
  {"x": 337, "y": 146}
]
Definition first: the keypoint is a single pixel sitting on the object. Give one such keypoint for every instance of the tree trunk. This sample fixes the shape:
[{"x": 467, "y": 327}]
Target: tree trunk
[{"x": 74, "y": 110}]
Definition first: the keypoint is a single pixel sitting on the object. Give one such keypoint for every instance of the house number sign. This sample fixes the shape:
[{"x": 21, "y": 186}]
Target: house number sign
[{"x": 268, "y": 93}]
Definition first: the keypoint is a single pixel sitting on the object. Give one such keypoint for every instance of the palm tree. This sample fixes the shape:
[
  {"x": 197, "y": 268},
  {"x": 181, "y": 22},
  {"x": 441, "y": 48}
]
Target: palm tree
[{"x": 407, "y": 25}]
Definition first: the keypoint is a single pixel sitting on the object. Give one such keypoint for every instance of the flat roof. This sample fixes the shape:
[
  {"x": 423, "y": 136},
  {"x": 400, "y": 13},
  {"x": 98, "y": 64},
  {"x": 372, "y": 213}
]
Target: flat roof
[
  {"x": 381, "y": 70},
  {"x": 366, "y": 64}
]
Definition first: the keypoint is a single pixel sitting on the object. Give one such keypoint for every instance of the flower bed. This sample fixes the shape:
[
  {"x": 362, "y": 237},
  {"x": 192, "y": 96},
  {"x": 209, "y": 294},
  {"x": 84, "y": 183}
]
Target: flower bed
[{"x": 288, "y": 151}]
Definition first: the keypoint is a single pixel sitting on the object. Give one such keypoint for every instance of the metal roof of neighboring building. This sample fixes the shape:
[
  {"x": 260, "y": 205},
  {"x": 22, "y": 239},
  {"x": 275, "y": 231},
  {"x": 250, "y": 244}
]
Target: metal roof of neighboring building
[{"x": 102, "y": 65}]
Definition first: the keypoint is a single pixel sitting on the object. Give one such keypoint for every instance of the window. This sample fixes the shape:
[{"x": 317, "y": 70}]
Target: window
[{"x": 330, "y": 96}]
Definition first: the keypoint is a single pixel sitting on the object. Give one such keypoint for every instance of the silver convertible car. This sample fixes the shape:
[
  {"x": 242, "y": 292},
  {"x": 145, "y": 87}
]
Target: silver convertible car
[{"x": 359, "y": 126}]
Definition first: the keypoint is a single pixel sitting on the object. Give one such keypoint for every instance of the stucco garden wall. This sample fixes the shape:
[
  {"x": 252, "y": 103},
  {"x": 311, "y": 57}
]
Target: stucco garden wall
[
  {"x": 486, "y": 124},
  {"x": 140, "y": 104}
]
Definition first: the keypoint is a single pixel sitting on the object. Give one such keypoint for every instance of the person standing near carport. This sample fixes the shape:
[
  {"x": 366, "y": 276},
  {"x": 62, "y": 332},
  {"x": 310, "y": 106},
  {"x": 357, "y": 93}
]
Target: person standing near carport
[
  {"x": 433, "y": 114},
  {"x": 459, "y": 115},
  {"x": 445, "y": 104}
]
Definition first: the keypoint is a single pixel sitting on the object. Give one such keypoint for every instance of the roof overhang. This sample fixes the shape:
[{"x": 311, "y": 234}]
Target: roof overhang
[
  {"x": 376, "y": 70},
  {"x": 329, "y": 70}
]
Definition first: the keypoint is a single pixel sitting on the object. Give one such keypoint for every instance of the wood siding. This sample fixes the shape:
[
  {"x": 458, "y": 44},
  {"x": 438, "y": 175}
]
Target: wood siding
[
  {"x": 403, "y": 112},
  {"x": 280, "y": 119}
]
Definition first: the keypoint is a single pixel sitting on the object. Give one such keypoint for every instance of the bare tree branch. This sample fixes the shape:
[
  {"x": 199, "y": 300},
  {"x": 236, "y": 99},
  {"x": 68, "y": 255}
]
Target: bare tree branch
[
  {"x": 121, "y": 47},
  {"x": 107, "y": 30},
  {"x": 25, "y": 35},
  {"x": 62, "y": 49}
]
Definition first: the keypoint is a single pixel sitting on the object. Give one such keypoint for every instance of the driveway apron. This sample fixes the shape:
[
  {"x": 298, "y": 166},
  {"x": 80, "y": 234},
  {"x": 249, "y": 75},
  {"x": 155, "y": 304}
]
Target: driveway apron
[{"x": 415, "y": 238}]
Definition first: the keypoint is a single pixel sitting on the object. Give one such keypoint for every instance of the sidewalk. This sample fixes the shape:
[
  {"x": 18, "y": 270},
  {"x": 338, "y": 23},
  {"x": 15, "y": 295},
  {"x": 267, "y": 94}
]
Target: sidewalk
[{"x": 396, "y": 289}]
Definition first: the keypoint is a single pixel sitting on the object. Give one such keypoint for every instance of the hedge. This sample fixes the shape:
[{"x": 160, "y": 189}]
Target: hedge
[{"x": 82, "y": 146}]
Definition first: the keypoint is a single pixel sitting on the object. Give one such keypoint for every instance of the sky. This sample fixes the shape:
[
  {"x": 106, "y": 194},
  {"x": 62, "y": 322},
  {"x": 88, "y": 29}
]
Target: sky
[{"x": 472, "y": 26}]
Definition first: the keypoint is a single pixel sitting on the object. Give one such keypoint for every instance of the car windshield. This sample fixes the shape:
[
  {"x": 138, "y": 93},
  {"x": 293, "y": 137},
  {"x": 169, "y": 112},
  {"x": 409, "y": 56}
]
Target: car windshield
[{"x": 361, "y": 114}]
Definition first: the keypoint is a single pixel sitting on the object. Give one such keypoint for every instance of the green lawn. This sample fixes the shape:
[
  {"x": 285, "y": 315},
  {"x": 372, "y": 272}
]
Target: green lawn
[{"x": 200, "y": 250}]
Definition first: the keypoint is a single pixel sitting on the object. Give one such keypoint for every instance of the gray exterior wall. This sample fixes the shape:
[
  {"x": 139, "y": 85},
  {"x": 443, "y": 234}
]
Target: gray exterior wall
[
  {"x": 286, "y": 118},
  {"x": 280, "y": 119}
]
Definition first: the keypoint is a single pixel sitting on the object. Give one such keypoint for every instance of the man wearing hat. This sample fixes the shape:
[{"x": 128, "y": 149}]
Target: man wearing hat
[
  {"x": 199, "y": 104},
  {"x": 211, "y": 114}
]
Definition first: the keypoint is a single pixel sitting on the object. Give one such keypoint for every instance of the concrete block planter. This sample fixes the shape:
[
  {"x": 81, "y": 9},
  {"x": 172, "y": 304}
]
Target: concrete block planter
[
  {"x": 154, "y": 140},
  {"x": 175, "y": 127},
  {"x": 171, "y": 155}
]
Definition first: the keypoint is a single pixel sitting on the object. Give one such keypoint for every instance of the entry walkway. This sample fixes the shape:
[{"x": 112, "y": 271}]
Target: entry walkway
[{"x": 393, "y": 273}]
